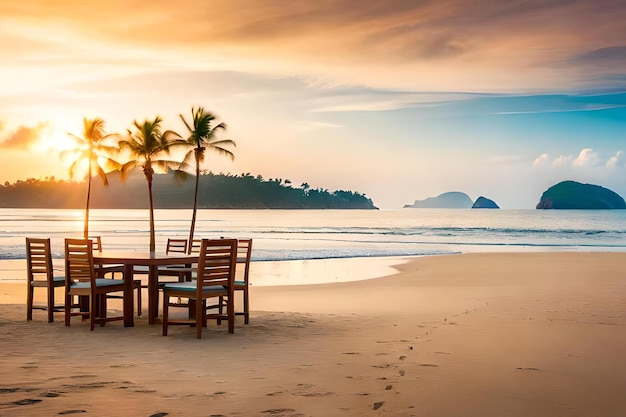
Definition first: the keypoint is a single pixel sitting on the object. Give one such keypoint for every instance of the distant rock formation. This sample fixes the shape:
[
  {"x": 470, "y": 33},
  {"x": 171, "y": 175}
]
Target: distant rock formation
[
  {"x": 577, "y": 196},
  {"x": 452, "y": 199},
  {"x": 484, "y": 203}
]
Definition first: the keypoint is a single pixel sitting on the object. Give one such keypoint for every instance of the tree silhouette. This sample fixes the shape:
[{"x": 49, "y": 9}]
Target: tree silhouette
[
  {"x": 147, "y": 144},
  {"x": 202, "y": 136},
  {"x": 92, "y": 147}
]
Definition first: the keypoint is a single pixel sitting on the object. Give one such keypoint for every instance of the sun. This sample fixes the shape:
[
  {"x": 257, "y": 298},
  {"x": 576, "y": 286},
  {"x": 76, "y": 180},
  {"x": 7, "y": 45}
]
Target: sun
[
  {"x": 55, "y": 142},
  {"x": 55, "y": 138}
]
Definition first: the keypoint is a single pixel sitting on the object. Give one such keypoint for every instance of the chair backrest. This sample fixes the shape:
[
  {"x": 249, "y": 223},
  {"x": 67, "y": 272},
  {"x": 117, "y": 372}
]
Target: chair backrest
[
  {"x": 217, "y": 263},
  {"x": 244, "y": 252},
  {"x": 195, "y": 246},
  {"x": 39, "y": 259},
  {"x": 176, "y": 246},
  {"x": 79, "y": 265},
  {"x": 97, "y": 243}
]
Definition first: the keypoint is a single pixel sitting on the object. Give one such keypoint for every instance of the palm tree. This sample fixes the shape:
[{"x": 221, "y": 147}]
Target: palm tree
[
  {"x": 202, "y": 136},
  {"x": 92, "y": 147},
  {"x": 146, "y": 145}
]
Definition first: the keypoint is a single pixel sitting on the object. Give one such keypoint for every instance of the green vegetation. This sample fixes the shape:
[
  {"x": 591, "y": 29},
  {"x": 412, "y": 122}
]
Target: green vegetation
[
  {"x": 217, "y": 191},
  {"x": 574, "y": 195}
]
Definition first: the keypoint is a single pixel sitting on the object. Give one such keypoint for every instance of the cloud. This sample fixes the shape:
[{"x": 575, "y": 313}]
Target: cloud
[
  {"x": 308, "y": 125},
  {"x": 608, "y": 56},
  {"x": 587, "y": 157},
  {"x": 562, "y": 161},
  {"x": 24, "y": 137},
  {"x": 614, "y": 161},
  {"x": 541, "y": 160},
  {"x": 437, "y": 44}
]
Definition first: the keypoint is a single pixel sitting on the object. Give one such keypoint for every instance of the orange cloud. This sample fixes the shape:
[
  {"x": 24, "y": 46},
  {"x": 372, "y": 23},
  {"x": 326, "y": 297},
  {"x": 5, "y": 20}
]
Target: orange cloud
[
  {"x": 24, "y": 137},
  {"x": 454, "y": 45}
]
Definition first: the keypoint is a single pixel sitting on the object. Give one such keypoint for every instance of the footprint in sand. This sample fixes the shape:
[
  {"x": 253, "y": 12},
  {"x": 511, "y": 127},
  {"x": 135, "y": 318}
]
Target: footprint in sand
[
  {"x": 8, "y": 390},
  {"x": 274, "y": 411},
  {"x": 27, "y": 401}
]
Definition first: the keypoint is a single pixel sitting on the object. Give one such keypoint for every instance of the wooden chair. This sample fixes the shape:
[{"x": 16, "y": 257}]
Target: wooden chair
[
  {"x": 81, "y": 280},
  {"x": 40, "y": 275},
  {"x": 194, "y": 247},
  {"x": 183, "y": 272},
  {"x": 176, "y": 245},
  {"x": 102, "y": 270},
  {"x": 216, "y": 277},
  {"x": 244, "y": 252}
]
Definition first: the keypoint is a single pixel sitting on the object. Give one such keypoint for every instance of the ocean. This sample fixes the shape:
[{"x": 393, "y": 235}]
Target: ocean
[{"x": 322, "y": 234}]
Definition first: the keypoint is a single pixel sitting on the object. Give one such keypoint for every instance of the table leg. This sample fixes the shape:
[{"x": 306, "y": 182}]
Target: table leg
[
  {"x": 129, "y": 312},
  {"x": 153, "y": 294}
]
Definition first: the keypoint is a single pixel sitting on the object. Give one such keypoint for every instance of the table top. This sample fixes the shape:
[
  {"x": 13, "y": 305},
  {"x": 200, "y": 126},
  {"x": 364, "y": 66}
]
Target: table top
[{"x": 144, "y": 258}]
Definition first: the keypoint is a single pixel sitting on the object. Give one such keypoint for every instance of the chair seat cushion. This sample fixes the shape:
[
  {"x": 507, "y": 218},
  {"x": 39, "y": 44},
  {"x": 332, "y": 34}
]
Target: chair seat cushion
[
  {"x": 100, "y": 282},
  {"x": 191, "y": 286},
  {"x": 56, "y": 281}
]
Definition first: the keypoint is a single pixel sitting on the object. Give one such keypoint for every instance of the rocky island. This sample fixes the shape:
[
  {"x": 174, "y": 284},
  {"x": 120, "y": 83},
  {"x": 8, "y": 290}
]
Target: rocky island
[
  {"x": 484, "y": 203},
  {"x": 453, "y": 200},
  {"x": 574, "y": 195}
]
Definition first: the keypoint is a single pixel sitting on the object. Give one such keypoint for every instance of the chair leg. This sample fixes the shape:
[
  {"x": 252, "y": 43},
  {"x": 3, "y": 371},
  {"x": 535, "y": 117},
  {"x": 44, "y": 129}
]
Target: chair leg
[
  {"x": 102, "y": 315},
  {"x": 92, "y": 312},
  {"x": 138, "y": 287},
  {"x": 50, "y": 304},
  {"x": 220, "y": 310},
  {"x": 246, "y": 306},
  {"x": 29, "y": 302},
  {"x": 200, "y": 318},
  {"x": 230, "y": 305},
  {"x": 68, "y": 306},
  {"x": 165, "y": 312}
]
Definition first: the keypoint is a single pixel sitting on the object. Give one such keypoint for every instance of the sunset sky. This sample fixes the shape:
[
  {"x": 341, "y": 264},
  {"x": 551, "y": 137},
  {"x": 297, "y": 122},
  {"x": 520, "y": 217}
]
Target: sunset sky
[{"x": 397, "y": 99}]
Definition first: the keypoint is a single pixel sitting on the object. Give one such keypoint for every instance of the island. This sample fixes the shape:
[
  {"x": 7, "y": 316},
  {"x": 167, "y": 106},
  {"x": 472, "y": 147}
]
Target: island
[
  {"x": 216, "y": 191},
  {"x": 572, "y": 195},
  {"x": 453, "y": 199},
  {"x": 484, "y": 203}
]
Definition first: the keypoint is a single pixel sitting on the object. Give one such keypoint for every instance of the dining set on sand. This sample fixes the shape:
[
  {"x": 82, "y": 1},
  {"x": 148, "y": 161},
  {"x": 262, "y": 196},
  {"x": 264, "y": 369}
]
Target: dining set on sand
[{"x": 201, "y": 276}]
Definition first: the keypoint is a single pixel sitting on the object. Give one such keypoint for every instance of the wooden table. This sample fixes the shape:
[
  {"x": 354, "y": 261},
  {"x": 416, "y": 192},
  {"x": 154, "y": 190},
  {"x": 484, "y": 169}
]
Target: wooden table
[{"x": 152, "y": 260}]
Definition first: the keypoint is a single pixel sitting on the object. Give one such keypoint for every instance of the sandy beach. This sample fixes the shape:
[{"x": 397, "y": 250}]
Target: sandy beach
[{"x": 491, "y": 334}]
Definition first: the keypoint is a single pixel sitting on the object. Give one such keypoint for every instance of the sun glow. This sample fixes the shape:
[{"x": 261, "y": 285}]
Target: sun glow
[
  {"x": 53, "y": 138},
  {"x": 55, "y": 142}
]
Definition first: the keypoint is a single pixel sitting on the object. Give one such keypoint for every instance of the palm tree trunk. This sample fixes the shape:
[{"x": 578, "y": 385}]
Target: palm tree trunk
[
  {"x": 152, "y": 228},
  {"x": 195, "y": 205},
  {"x": 86, "y": 227}
]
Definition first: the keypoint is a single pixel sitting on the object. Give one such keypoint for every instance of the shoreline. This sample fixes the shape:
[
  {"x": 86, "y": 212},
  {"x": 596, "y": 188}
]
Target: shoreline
[
  {"x": 267, "y": 273},
  {"x": 489, "y": 334}
]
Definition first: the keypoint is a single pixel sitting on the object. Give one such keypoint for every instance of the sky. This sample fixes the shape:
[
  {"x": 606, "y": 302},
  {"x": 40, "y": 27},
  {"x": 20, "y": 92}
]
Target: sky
[{"x": 399, "y": 100}]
